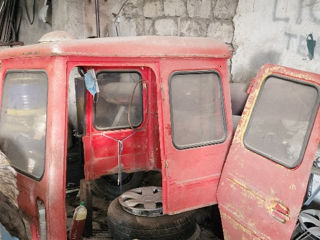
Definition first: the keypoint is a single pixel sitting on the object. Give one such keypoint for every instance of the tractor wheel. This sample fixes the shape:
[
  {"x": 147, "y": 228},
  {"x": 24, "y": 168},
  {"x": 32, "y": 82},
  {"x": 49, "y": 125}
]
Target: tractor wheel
[{"x": 124, "y": 225}]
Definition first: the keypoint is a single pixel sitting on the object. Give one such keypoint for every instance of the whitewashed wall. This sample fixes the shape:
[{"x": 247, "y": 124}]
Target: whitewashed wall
[{"x": 275, "y": 31}]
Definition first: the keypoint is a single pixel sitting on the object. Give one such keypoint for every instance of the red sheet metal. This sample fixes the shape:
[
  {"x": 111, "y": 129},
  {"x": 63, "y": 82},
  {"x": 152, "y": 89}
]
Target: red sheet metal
[
  {"x": 142, "y": 46},
  {"x": 255, "y": 194}
]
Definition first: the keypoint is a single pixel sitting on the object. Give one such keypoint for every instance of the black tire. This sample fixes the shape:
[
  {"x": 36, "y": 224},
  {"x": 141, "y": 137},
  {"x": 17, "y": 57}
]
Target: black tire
[
  {"x": 125, "y": 226},
  {"x": 108, "y": 188}
]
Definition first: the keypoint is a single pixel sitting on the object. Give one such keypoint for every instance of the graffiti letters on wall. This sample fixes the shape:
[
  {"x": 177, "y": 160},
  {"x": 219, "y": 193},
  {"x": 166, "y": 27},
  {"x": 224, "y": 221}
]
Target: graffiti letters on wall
[{"x": 305, "y": 13}]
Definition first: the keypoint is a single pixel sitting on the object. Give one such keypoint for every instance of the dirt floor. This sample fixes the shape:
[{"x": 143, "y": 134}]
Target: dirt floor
[{"x": 208, "y": 218}]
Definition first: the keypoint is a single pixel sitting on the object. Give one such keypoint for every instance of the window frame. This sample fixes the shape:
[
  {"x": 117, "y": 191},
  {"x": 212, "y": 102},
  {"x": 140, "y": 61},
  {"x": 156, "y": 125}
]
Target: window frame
[
  {"x": 312, "y": 118},
  {"x": 94, "y": 104},
  {"x": 46, "y": 122},
  {"x": 222, "y": 104}
]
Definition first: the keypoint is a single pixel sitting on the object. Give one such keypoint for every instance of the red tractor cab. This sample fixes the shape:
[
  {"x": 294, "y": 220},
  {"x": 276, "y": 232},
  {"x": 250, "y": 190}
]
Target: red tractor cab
[
  {"x": 138, "y": 104},
  {"x": 163, "y": 104}
]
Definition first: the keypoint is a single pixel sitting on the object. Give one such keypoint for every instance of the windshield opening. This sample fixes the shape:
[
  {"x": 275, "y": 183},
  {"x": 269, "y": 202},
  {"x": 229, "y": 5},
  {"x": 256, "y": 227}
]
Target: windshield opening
[
  {"x": 197, "y": 113},
  {"x": 281, "y": 121},
  {"x": 23, "y": 120},
  {"x": 120, "y": 92}
]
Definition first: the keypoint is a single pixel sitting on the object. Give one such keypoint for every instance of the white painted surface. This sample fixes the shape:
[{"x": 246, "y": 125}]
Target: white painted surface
[{"x": 275, "y": 32}]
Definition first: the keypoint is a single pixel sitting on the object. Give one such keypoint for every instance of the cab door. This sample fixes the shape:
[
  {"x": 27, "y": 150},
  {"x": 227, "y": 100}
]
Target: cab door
[
  {"x": 195, "y": 130},
  {"x": 33, "y": 135},
  {"x": 266, "y": 173},
  {"x": 123, "y": 96}
]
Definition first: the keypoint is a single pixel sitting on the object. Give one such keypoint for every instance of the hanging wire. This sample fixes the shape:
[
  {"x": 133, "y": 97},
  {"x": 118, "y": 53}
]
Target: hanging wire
[
  {"x": 120, "y": 142},
  {"x": 138, "y": 83},
  {"x": 30, "y": 20},
  {"x": 10, "y": 19},
  {"x": 116, "y": 20}
]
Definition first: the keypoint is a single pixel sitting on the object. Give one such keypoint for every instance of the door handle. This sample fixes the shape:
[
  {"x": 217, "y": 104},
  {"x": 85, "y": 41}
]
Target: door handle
[{"x": 279, "y": 211}]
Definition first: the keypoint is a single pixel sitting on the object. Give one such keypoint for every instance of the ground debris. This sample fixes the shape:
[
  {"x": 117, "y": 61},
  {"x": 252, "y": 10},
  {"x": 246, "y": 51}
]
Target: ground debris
[{"x": 206, "y": 218}]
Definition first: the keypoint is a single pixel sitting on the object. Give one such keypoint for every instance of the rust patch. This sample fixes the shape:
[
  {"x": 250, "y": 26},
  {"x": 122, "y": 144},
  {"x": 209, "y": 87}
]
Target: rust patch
[
  {"x": 283, "y": 71},
  {"x": 248, "y": 191},
  {"x": 293, "y": 187},
  {"x": 226, "y": 235},
  {"x": 251, "y": 224},
  {"x": 237, "y": 225},
  {"x": 166, "y": 165},
  {"x": 234, "y": 223},
  {"x": 168, "y": 127}
]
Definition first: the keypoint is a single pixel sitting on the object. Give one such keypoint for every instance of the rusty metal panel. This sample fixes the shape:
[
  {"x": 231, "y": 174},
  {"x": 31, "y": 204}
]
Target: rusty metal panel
[
  {"x": 190, "y": 176},
  {"x": 140, "y": 146},
  {"x": 259, "y": 198},
  {"x": 50, "y": 189}
]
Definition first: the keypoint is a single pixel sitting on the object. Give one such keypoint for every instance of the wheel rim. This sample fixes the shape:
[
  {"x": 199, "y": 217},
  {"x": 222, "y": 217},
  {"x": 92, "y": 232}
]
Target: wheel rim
[{"x": 144, "y": 201}]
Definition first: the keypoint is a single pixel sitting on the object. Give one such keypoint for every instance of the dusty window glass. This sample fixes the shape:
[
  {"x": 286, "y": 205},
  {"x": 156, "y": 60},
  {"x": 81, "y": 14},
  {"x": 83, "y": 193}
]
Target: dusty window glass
[
  {"x": 281, "y": 120},
  {"x": 120, "y": 92},
  {"x": 197, "y": 114},
  {"x": 23, "y": 120}
]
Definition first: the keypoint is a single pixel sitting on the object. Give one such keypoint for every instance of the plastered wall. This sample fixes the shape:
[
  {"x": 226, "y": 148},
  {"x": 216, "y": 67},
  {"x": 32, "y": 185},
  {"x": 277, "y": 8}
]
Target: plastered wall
[{"x": 276, "y": 32}]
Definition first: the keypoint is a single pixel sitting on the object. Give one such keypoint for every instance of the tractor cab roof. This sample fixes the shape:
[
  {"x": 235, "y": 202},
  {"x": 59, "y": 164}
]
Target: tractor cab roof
[{"x": 143, "y": 46}]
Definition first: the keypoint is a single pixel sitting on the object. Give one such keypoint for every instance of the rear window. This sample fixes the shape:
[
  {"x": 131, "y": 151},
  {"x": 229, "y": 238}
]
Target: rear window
[
  {"x": 23, "y": 120},
  {"x": 119, "y": 102},
  {"x": 197, "y": 114},
  {"x": 281, "y": 121}
]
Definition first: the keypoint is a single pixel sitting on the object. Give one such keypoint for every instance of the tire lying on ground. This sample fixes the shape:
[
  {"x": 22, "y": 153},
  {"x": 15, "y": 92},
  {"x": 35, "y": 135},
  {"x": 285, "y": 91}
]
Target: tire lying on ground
[
  {"x": 125, "y": 226},
  {"x": 10, "y": 215},
  {"x": 107, "y": 186}
]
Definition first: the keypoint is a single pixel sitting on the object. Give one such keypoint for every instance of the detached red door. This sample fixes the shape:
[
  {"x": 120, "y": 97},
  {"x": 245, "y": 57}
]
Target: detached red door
[
  {"x": 265, "y": 177},
  {"x": 195, "y": 131}
]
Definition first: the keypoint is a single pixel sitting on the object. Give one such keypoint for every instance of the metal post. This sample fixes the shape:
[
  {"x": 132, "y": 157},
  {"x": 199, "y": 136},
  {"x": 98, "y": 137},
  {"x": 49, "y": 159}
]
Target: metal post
[{"x": 97, "y": 19}]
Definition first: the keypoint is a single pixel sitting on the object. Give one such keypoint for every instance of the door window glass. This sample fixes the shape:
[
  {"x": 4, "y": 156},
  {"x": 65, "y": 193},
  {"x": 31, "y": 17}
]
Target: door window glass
[
  {"x": 197, "y": 114},
  {"x": 281, "y": 120},
  {"x": 23, "y": 120},
  {"x": 119, "y": 102}
]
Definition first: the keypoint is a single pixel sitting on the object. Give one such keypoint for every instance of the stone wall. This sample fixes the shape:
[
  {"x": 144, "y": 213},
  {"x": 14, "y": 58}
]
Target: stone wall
[{"x": 204, "y": 18}]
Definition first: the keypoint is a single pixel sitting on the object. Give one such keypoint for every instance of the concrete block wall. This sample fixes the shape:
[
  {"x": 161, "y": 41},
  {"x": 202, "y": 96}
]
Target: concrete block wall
[{"x": 202, "y": 18}]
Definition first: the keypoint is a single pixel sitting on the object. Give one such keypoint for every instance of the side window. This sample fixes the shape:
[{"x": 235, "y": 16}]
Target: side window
[
  {"x": 23, "y": 120},
  {"x": 281, "y": 120},
  {"x": 119, "y": 103},
  {"x": 197, "y": 113}
]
